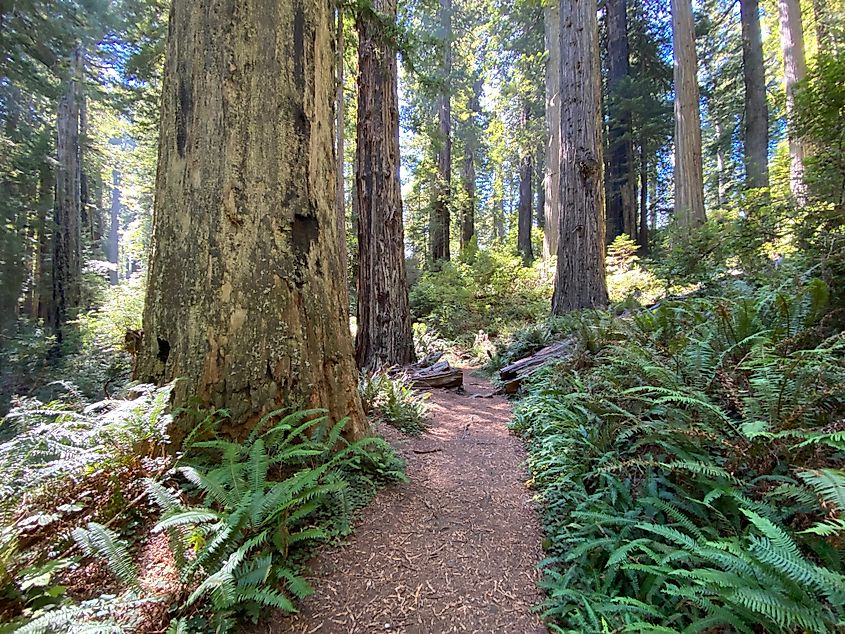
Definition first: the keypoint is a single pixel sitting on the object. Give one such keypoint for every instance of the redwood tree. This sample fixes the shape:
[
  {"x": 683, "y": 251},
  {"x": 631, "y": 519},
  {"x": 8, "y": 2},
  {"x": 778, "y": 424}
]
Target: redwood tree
[
  {"x": 756, "y": 108},
  {"x": 689, "y": 179},
  {"x": 244, "y": 299},
  {"x": 580, "y": 275},
  {"x": 384, "y": 323},
  {"x": 440, "y": 213},
  {"x": 551, "y": 182},
  {"x": 794, "y": 70}
]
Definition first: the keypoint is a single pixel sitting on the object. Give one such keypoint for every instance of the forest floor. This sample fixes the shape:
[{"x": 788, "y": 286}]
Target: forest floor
[{"x": 454, "y": 549}]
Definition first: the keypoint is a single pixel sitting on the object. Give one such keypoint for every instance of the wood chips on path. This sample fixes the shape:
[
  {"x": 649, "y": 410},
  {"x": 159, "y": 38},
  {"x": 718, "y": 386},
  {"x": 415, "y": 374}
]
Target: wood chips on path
[{"x": 454, "y": 549}]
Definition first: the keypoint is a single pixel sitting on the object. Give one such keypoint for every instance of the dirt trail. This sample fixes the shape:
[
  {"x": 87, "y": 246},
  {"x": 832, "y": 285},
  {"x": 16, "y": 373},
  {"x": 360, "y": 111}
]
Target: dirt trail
[{"x": 452, "y": 550}]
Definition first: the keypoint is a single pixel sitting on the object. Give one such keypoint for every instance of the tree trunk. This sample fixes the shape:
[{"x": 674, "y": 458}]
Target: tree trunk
[
  {"x": 756, "y": 108},
  {"x": 114, "y": 226},
  {"x": 340, "y": 121},
  {"x": 580, "y": 275},
  {"x": 642, "y": 234},
  {"x": 689, "y": 179},
  {"x": 823, "y": 40},
  {"x": 526, "y": 198},
  {"x": 67, "y": 271},
  {"x": 244, "y": 298},
  {"x": 794, "y": 70},
  {"x": 551, "y": 184},
  {"x": 384, "y": 320},
  {"x": 440, "y": 220},
  {"x": 42, "y": 287},
  {"x": 539, "y": 181},
  {"x": 468, "y": 182},
  {"x": 621, "y": 204}
]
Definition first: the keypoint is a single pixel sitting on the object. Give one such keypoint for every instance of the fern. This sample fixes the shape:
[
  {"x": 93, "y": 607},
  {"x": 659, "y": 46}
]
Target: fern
[{"x": 97, "y": 541}]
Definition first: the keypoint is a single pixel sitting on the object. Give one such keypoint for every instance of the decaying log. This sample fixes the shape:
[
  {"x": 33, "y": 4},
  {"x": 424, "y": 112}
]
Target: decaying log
[
  {"x": 441, "y": 374},
  {"x": 514, "y": 374}
]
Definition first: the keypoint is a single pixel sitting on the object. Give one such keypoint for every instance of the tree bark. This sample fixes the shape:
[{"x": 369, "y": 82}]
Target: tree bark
[
  {"x": 42, "y": 277},
  {"x": 794, "y": 70},
  {"x": 689, "y": 179},
  {"x": 756, "y": 108},
  {"x": 468, "y": 168},
  {"x": 580, "y": 275},
  {"x": 551, "y": 184},
  {"x": 67, "y": 267},
  {"x": 440, "y": 220},
  {"x": 642, "y": 234},
  {"x": 244, "y": 299},
  {"x": 526, "y": 198},
  {"x": 384, "y": 321},
  {"x": 114, "y": 226},
  {"x": 340, "y": 122},
  {"x": 621, "y": 204}
]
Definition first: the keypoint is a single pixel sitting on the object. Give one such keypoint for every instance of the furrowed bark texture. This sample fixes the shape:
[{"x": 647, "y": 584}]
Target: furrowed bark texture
[
  {"x": 794, "y": 70},
  {"x": 244, "y": 298},
  {"x": 756, "y": 108},
  {"x": 67, "y": 256},
  {"x": 384, "y": 322},
  {"x": 551, "y": 184},
  {"x": 340, "y": 122},
  {"x": 580, "y": 275},
  {"x": 621, "y": 204},
  {"x": 689, "y": 179},
  {"x": 440, "y": 215},
  {"x": 468, "y": 182}
]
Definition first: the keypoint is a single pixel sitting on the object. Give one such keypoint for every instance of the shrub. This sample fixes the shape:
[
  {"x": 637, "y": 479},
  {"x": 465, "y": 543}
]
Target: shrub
[
  {"x": 393, "y": 400},
  {"x": 690, "y": 461}
]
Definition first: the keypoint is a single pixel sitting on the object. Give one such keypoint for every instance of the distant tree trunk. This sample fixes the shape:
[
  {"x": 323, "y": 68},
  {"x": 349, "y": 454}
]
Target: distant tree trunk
[
  {"x": 440, "y": 220},
  {"x": 621, "y": 204},
  {"x": 721, "y": 160},
  {"x": 114, "y": 226},
  {"x": 526, "y": 198},
  {"x": 244, "y": 298},
  {"x": 642, "y": 234},
  {"x": 384, "y": 321},
  {"x": 689, "y": 179},
  {"x": 340, "y": 121},
  {"x": 42, "y": 280},
  {"x": 794, "y": 70},
  {"x": 539, "y": 178},
  {"x": 551, "y": 184},
  {"x": 580, "y": 276},
  {"x": 468, "y": 182},
  {"x": 67, "y": 256},
  {"x": 756, "y": 108},
  {"x": 468, "y": 168}
]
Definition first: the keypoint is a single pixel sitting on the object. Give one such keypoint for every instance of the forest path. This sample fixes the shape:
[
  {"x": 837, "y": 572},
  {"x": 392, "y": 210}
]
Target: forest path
[{"x": 454, "y": 549}]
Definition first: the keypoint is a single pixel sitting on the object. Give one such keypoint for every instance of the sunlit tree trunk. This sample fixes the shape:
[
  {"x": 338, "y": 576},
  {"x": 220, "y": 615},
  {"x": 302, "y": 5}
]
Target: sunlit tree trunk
[
  {"x": 552, "y": 175},
  {"x": 689, "y": 179},
  {"x": 114, "y": 226},
  {"x": 756, "y": 107},
  {"x": 526, "y": 198},
  {"x": 384, "y": 322},
  {"x": 794, "y": 70},
  {"x": 244, "y": 299},
  {"x": 621, "y": 204},
  {"x": 340, "y": 122},
  {"x": 440, "y": 219},
  {"x": 67, "y": 255},
  {"x": 642, "y": 234},
  {"x": 580, "y": 275}
]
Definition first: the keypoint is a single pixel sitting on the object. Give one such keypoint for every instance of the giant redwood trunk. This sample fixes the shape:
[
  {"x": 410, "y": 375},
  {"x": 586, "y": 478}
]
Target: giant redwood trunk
[
  {"x": 621, "y": 203},
  {"x": 794, "y": 70},
  {"x": 526, "y": 199},
  {"x": 67, "y": 256},
  {"x": 580, "y": 275},
  {"x": 551, "y": 183},
  {"x": 756, "y": 108},
  {"x": 244, "y": 299},
  {"x": 384, "y": 322},
  {"x": 468, "y": 183},
  {"x": 439, "y": 228},
  {"x": 340, "y": 122},
  {"x": 689, "y": 178}
]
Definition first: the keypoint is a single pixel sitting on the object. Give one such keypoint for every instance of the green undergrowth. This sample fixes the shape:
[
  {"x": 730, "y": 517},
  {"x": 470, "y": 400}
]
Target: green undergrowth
[
  {"x": 392, "y": 400},
  {"x": 690, "y": 462},
  {"x": 240, "y": 518}
]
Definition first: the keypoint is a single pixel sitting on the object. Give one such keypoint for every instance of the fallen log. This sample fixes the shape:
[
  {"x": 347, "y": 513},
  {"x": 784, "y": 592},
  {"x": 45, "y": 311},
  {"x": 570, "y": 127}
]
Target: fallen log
[
  {"x": 441, "y": 375},
  {"x": 514, "y": 374}
]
